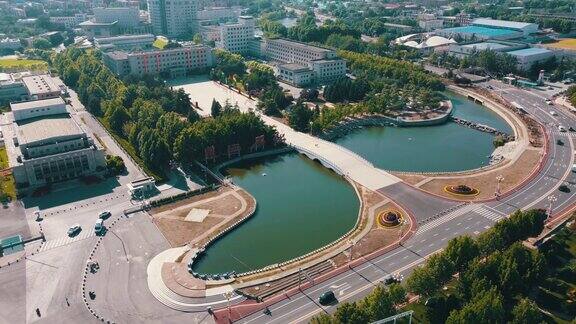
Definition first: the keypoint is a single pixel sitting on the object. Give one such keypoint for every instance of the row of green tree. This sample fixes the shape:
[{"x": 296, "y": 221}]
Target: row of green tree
[
  {"x": 158, "y": 123},
  {"x": 495, "y": 273}
]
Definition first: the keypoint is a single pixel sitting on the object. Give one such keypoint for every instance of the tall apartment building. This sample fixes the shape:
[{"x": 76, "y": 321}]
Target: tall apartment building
[
  {"x": 173, "y": 18},
  {"x": 175, "y": 61},
  {"x": 236, "y": 38},
  {"x": 296, "y": 61},
  {"x": 45, "y": 144}
]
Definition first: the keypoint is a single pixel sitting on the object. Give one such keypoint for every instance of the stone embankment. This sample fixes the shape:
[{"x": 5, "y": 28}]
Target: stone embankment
[{"x": 483, "y": 128}]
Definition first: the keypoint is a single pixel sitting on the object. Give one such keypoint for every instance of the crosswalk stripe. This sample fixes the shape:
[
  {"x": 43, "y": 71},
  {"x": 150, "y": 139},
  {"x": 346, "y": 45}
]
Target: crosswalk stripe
[
  {"x": 444, "y": 219},
  {"x": 65, "y": 240},
  {"x": 482, "y": 210}
]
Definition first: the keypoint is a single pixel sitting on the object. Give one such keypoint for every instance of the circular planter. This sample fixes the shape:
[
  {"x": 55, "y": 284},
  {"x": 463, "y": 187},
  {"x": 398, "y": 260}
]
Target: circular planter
[
  {"x": 389, "y": 218},
  {"x": 462, "y": 190}
]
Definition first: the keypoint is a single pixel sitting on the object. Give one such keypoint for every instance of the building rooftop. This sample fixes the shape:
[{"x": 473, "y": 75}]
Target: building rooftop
[
  {"x": 125, "y": 37},
  {"x": 40, "y": 84},
  {"x": 117, "y": 55},
  {"x": 483, "y": 31},
  {"x": 294, "y": 67},
  {"x": 529, "y": 51},
  {"x": 501, "y": 23},
  {"x": 36, "y": 104},
  {"x": 48, "y": 127},
  {"x": 90, "y": 23},
  {"x": 486, "y": 46},
  {"x": 307, "y": 47}
]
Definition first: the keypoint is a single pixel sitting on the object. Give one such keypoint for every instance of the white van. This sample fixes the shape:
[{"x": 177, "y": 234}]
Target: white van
[{"x": 99, "y": 226}]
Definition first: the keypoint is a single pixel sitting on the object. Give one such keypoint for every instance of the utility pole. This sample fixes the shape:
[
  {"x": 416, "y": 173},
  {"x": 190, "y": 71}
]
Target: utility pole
[
  {"x": 499, "y": 179},
  {"x": 351, "y": 251},
  {"x": 551, "y": 200}
]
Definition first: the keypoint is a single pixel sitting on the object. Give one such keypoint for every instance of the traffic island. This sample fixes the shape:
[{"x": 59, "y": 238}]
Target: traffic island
[
  {"x": 390, "y": 218},
  {"x": 461, "y": 190}
]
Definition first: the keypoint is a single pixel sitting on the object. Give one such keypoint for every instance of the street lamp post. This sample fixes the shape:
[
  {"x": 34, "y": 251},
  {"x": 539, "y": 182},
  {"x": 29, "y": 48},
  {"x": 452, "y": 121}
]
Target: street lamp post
[
  {"x": 351, "y": 251},
  {"x": 228, "y": 295},
  {"x": 499, "y": 179},
  {"x": 551, "y": 200}
]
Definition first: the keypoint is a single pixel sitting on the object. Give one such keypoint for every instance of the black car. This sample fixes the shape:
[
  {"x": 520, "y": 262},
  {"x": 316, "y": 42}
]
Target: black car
[
  {"x": 559, "y": 142},
  {"x": 327, "y": 298}
]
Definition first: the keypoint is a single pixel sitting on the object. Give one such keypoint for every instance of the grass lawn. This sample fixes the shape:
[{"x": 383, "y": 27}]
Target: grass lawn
[
  {"x": 3, "y": 158},
  {"x": 8, "y": 187},
  {"x": 16, "y": 64},
  {"x": 160, "y": 43}
]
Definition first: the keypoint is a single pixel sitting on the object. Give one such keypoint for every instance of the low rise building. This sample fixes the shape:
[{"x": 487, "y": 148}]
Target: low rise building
[
  {"x": 529, "y": 56},
  {"x": 11, "y": 89},
  {"x": 125, "y": 17},
  {"x": 69, "y": 21},
  {"x": 41, "y": 86},
  {"x": 429, "y": 22},
  {"x": 174, "y": 61},
  {"x": 324, "y": 63},
  {"x": 464, "y": 50},
  {"x": 295, "y": 74},
  {"x": 45, "y": 144},
  {"x": 125, "y": 42},
  {"x": 219, "y": 13},
  {"x": 522, "y": 27},
  {"x": 99, "y": 29},
  {"x": 10, "y": 44}
]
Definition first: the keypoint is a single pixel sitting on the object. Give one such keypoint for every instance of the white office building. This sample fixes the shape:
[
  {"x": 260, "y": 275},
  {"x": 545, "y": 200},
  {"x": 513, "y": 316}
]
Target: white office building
[
  {"x": 236, "y": 38},
  {"x": 45, "y": 144},
  {"x": 173, "y": 18},
  {"x": 175, "y": 61},
  {"x": 324, "y": 63}
]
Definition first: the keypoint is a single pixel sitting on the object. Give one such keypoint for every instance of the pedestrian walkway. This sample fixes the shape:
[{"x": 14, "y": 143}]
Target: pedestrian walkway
[
  {"x": 52, "y": 244},
  {"x": 479, "y": 209},
  {"x": 336, "y": 157}
]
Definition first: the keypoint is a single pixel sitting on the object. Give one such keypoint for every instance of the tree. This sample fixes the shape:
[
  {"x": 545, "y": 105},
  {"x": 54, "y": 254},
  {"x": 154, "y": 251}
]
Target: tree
[
  {"x": 309, "y": 94},
  {"x": 41, "y": 43},
  {"x": 486, "y": 307},
  {"x": 117, "y": 116},
  {"x": 461, "y": 251},
  {"x": 115, "y": 164},
  {"x": 216, "y": 108},
  {"x": 350, "y": 313},
  {"x": 377, "y": 305},
  {"x": 170, "y": 125},
  {"x": 299, "y": 117},
  {"x": 197, "y": 39},
  {"x": 322, "y": 318},
  {"x": 397, "y": 294}
]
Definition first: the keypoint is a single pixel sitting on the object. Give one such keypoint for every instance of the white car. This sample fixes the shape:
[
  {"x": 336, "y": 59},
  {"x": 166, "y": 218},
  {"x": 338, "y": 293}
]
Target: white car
[
  {"x": 553, "y": 113},
  {"x": 561, "y": 128},
  {"x": 549, "y": 102}
]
